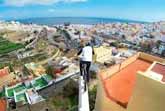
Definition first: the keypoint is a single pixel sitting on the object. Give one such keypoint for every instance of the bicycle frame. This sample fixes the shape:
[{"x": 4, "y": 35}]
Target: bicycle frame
[{"x": 84, "y": 74}]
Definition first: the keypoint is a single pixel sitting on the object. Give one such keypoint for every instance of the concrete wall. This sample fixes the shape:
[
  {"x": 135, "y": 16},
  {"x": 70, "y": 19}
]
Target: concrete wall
[
  {"x": 148, "y": 95},
  {"x": 116, "y": 68},
  {"x": 109, "y": 72},
  {"x": 150, "y": 58},
  {"x": 129, "y": 61},
  {"x": 41, "y": 106}
]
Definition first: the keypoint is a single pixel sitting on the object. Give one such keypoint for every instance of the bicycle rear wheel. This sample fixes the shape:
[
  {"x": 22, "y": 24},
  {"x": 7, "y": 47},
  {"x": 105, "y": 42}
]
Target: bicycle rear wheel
[{"x": 85, "y": 77}]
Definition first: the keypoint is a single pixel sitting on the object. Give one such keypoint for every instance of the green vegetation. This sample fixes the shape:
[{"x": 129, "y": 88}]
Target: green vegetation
[
  {"x": 158, "y": 44},
  {"x": 67, "y": 100},
  {"x": 2, "y": 94},
  {"x": 146, "y": 46},
  {"x": 48, "y": 77},
  {"x": 50, "y": 70},
  {"x": 2, "y": 65},
  {"x": 65, "y": 104},
  {"x": 41, "y": 45},
  {"x": 66, "y": 34},
  {"x": 92, "y": 97},
  {"x": 7, "y": 46},
  {"x": 115, "y": 44}
]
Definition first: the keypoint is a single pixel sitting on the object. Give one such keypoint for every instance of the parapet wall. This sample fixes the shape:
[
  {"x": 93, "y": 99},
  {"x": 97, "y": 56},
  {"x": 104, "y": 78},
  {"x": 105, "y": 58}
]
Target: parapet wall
[
  {"x": 109, "y": 72},
  {"x": 116, "y": 68},
  {"x": 148, "y": 95},
  {"x": 150, "y": 58},
  {"x": 129, "y": 60}
]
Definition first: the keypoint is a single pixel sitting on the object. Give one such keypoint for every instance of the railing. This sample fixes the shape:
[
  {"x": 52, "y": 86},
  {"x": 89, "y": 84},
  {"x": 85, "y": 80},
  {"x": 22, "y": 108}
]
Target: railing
[{"x": 66, "y": 77}]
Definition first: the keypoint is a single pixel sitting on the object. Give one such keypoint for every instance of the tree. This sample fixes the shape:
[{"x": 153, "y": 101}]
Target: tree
[
  {"x": 123, "y": 37},
  {"x": 79, "y": 34},
  {"x": 35, "y": 32},
  {"x": 158, "y": 43},
  {"x": 146, "y": 46},
  {"x": 115, "y": 44},
  {"x": 49, "y": 70},
  {"x": 11, "y": 68},
  {"x": 163, "y": 53}
]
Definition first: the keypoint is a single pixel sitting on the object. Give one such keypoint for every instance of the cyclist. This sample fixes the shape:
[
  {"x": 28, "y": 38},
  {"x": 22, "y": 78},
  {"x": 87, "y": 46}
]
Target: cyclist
[{"x": 86, "y": 53}]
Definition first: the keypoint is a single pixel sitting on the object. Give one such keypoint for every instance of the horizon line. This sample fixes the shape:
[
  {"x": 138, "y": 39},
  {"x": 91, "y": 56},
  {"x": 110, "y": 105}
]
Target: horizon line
[{"x": 94, "y": 17}]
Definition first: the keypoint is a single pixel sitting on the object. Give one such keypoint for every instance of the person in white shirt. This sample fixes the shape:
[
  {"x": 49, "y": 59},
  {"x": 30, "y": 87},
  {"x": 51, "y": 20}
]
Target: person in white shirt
[{"x": 86, "y": 54}]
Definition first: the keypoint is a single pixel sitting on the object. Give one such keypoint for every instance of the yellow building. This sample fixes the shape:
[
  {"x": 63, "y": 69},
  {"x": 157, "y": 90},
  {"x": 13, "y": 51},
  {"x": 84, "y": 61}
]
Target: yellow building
[
  {"x": 137, "y": 84},
  {"x": 103, "y": 54}
]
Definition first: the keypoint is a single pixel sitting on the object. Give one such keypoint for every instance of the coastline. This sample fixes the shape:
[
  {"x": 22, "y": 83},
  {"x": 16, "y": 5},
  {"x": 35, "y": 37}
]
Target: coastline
[{"x": 74, "y": 20}]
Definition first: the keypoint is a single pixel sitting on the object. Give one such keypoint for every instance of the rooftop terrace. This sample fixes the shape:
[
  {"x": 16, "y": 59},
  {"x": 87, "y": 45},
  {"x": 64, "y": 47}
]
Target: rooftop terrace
[
  {"x": 119, "y": 80},
  {"x": 120, "y": 86},
  {"x": 160, "y": 69}
]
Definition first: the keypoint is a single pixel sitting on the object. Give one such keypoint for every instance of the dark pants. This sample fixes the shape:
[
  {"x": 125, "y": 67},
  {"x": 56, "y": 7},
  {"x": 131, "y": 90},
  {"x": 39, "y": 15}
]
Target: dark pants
[{"x": 88, "y": 64}]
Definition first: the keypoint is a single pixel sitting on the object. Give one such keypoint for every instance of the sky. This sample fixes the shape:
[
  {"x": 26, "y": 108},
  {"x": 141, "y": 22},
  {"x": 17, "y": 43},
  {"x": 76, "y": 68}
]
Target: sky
[{"x": 141, "y": 10}]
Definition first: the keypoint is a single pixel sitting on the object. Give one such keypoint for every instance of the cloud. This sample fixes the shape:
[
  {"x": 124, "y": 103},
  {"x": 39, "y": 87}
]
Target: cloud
[{"x": 37, "y": 2}]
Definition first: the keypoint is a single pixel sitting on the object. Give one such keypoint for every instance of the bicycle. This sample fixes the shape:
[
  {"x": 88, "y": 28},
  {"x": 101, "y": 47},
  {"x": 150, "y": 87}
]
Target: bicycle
[{"x": 84, "y": 74}]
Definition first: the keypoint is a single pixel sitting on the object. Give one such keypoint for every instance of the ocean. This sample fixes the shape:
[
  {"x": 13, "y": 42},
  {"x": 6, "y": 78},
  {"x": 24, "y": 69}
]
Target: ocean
[{"x": 73, "y": 20}]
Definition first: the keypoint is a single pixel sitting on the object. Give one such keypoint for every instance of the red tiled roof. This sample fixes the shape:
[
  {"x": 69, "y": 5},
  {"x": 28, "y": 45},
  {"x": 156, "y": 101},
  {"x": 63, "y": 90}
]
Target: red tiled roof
[
  {"x": 2, "y": 105},
  {"x": 120, "y": 86},
  {"x": 4, "y": 72},
  {"x": 160, "y": 69}
]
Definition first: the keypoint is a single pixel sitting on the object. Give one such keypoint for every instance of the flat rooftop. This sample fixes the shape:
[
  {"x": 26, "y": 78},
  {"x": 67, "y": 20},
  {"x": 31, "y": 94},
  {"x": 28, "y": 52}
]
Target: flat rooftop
[
  {"x": 159, "y": 69},
  {"x": 4, "y": 72},
  {"x": 119, "y": 87}
]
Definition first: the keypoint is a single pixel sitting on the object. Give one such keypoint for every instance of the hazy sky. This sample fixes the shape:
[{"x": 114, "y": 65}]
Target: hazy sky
[{"x": 143, "y": 10}]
